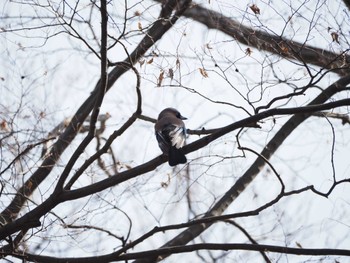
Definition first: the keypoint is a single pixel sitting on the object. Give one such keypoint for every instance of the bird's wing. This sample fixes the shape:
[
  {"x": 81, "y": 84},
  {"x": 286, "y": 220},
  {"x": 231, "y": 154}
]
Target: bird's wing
[
  {"x": 163, "y": 141},
  {"x": 177, "y": 136}
]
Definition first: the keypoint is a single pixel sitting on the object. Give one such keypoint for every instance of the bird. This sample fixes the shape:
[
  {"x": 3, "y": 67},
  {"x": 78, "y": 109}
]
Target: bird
[{"x": 171, "y": 135}]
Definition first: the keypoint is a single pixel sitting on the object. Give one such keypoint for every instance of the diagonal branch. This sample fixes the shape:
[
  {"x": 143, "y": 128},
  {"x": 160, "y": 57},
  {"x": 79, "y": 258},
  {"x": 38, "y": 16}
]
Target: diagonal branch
[
  {"x": 347, "y": 3},
  {"x": 240, "y": 185},
  {"x": 251, "y": 239},
  {"x": 300, "y": 113},
  {"x": 159, "y": 28},
  {"x": 31, "y": 219},
  {"x": 272, "y": 43}
]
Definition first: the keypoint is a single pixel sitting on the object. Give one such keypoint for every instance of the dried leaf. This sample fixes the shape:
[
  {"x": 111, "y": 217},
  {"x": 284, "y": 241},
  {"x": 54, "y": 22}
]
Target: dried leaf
[
  {"x": 335, "y": 37},
  {"x": 2, "y": 78},
  {"x": 208, "y": 46},
  {"x": 203, "y": 72},
  {"x": 164, "y": 184},
  {"x": 177, "y": 63},
  {"x": 248, "y": 51},
  {"x": 150, "y": 61},
  {"x": 141, "y": 62},
  {"x": 283, "y": 48},
  {"x": 139, "y": 26},
  {"x": 3, "y": 125},
  {"x": 66, "y": 122},
  {"x": 30, "y": 185},
  {"x": 171, "y": 73},
  {"x": 298, "y": 244},
  {"x": 160, "y": 78},
  {"x": 137, "y": 13},
  {"x": 255, "y": 9}
]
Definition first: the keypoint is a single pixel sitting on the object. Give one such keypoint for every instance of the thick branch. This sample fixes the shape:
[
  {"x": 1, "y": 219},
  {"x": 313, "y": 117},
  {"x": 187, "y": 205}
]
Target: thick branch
[
  {"x": 159, "y": 28},
  {"x": 157, "y": 253},
  {"x": 194, "y": 231},
  {"x": 275, "y": 44},
  {"x": 301, "y": 113},
  {"x": 31, "y": 218},
  {"x": 347, "y": 3}
]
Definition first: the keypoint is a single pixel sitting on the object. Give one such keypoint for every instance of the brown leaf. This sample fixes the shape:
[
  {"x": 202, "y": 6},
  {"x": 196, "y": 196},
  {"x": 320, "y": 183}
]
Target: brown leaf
[
  {"x": 160, "y": 79},
  {"x": 137, "y": 13},
  {"x": 164, "y": 184},
  {"x": 150, "y": 61},
  {"x": 171, "y": 73},
  {"x": 283, "y": 48},
  {"x": 30, "y": 185},
  {"x": 3, "y": 125},
  {"x": 255, "y": 9},
  {"x": 335, "y": 37},
  {"x": 203, "y": 72},
  {"x": 139, "y": 26},
  {"x": 248, "y": 51},
  {"x": 298, "y": 244},
  {"x": 177, "y": 63},
  {"x": 208, "y": 46}
]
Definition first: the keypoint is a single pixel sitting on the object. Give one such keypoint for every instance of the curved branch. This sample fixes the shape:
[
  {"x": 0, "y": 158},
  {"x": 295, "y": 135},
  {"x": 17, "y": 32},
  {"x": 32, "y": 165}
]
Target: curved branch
[
  {"x": 251, "y": 239},
  {"x": 113, "y": 136},
  {"x": 194, "y": 231}
]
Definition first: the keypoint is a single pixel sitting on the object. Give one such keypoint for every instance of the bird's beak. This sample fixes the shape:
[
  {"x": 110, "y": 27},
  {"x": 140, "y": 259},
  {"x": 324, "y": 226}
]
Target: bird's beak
[{"x": 183, "y": 118}]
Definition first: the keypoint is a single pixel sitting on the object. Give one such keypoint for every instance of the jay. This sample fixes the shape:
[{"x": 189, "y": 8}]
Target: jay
[{"x": 171, "y": 135}]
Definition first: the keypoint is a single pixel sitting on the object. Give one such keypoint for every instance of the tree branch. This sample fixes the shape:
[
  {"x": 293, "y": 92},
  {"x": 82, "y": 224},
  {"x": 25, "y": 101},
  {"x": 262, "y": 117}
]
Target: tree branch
[
  {"x": 159, "y": 28},
  {"x": 301, "y": 113},
  {"x": 194, "y": 231},
  {"x": 157, "y": 253},
  {"x": 272, "y": 43}
]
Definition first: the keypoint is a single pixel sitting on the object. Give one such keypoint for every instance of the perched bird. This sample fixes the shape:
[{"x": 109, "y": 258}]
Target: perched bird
[{"x": 171, "y": 135}]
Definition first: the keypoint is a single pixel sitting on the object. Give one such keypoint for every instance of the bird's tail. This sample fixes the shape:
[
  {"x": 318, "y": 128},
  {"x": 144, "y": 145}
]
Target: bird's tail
[{"x": 176, "y": 156}]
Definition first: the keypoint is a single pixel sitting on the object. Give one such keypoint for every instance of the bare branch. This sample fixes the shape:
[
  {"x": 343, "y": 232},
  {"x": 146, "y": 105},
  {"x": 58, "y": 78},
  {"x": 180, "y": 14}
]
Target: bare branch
[
  {"x": 155, "y": 33},
  {"x": 271, "y": 43},
  {"x": 158, "y": 253},
  {"x": 221, "y": 205}
]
